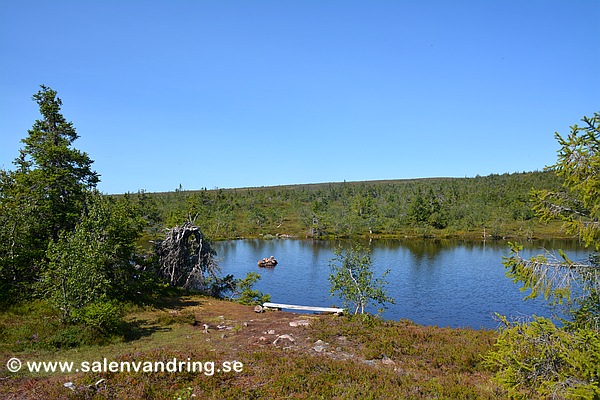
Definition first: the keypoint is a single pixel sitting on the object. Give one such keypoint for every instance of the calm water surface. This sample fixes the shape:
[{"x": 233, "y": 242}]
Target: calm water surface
[{"x": 443, "y": 283}]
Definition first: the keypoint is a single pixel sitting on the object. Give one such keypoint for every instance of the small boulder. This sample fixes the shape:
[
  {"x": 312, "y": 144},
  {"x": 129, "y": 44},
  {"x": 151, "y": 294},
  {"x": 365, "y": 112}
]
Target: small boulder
[
  {"x": 320, "y": 346},
  {"x": 301, "y": 322},
  {"x": 284, "y": 337},
  {"x": 387, "y": 361}
]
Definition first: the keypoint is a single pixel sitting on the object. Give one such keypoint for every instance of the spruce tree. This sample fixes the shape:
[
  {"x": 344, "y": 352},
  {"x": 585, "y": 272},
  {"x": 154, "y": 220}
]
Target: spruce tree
[{"x": 42, "y": 197}]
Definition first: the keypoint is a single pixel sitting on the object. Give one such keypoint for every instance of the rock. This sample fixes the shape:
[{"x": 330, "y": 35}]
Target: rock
[
  {"x": 258, "y": 309},
  {"x": 284, "y": 337},
  {"x": 267, "y": 262},
  {"x": 301, "y": 322},
  {"x": 320, "y": 346},
  {"x": 271, "y": 332},
  {"x": 387, "y": 361},
  {"x": 70, "y": 385}
]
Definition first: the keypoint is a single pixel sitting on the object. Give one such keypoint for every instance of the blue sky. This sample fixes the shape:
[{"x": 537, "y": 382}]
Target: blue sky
[{"x": 260, "y": 93}]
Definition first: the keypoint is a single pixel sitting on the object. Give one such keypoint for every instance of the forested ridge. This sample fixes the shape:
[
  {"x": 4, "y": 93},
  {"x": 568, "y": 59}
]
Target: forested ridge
[{"x": 496, "y": 206}]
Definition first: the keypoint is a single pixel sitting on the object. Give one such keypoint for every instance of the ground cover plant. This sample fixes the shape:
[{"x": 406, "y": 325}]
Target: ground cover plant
[{"x": 331, "y": 357}]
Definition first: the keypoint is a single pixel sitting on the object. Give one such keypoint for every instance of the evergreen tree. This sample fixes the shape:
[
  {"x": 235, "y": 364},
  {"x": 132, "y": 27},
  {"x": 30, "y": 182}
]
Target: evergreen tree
[
  {"x": 55, "y": 175},
  {"x": 540, "y": 358},
  {"x": 42, "y": 197}
]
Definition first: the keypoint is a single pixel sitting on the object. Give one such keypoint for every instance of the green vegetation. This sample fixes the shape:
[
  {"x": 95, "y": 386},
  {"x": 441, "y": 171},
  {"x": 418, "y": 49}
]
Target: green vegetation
[
  {"x": 91, "y": 263},
  {"x": 245, "y": 294},
  {"x": 496, "y": 206},
  {"x": 352, "y": 278},
  {"x": 42, "y": 198},
  {"x": 65, "y": 243},
  {"x": 539, "y": 358}
]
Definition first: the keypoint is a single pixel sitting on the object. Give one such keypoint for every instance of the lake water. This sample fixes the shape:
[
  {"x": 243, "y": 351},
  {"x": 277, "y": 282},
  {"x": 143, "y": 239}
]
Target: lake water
[{"x": 443, "y": 283}]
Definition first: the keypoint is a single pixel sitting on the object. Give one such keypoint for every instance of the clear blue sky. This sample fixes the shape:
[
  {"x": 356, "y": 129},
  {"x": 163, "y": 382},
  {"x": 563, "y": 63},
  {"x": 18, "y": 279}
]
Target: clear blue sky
[{"x": 260, "y": 93}]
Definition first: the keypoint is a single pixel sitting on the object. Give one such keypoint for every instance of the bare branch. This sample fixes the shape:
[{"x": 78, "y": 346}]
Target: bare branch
[{"x": 185, "y": 257}]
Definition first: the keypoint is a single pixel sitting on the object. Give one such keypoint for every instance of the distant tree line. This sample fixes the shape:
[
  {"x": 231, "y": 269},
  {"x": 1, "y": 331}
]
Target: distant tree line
[{"x": 495, "y": 206}]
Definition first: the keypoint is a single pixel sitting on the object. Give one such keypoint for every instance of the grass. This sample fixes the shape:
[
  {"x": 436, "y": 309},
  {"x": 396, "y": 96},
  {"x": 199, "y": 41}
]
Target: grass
[{"x": 358, "y": 358}]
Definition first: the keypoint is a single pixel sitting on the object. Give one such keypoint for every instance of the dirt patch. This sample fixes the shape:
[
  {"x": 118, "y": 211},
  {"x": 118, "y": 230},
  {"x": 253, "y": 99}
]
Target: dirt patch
[{"x": 243, "y": 326}]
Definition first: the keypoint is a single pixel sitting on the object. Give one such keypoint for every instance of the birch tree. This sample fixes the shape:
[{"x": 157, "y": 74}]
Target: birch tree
[{"x": 353, "y": 278}]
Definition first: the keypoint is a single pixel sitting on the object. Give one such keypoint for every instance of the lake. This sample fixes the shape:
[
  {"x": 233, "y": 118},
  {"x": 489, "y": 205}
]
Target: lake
[{"x": 442, "y": 283}]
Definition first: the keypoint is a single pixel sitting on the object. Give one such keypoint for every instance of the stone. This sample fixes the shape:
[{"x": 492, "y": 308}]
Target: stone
[
  {"x": 258, "y": 309},
  {"x": 388, "y": 361},
  {"x": 320, "y": 346},
  {"x": 284, "y": 337},
  {"x": 301, "y": 322}
]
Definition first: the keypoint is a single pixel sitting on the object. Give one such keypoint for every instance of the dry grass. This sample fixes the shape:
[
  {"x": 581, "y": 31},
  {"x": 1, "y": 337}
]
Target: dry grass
[{"x": 355, "y": 358}]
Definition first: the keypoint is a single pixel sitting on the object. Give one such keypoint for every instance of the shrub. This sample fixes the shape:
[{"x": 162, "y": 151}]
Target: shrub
[
  {"x": 541, "y": 359},
  {"x": 104, "y": 316},
  {"x": 247, "y": 295}
]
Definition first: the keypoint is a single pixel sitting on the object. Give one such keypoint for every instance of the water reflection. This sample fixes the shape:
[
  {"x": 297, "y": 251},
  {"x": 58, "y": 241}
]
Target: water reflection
[{"x": 433, "y": 282}]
